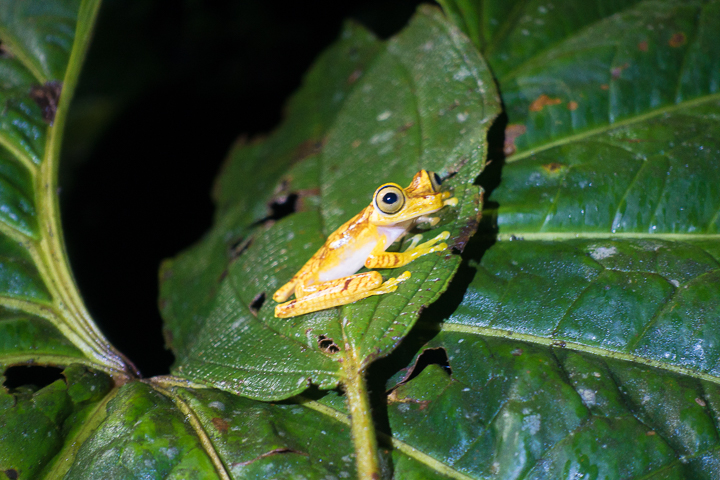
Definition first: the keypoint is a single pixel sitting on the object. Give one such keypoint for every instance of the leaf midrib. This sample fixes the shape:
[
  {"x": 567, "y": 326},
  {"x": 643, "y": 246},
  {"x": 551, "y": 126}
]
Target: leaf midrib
[
  {"x": 399, "y": 445},
  {"x": 612, "y": 126},
  {"x": 578, "y": 347}
]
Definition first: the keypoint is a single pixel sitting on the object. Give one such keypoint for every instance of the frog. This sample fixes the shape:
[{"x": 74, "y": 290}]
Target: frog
[{"x": 330, "y": 279}]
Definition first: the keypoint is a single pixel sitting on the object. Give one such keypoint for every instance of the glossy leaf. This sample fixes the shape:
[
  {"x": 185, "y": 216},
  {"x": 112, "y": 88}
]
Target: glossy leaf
[
  {"x": 606, "y": 262},
  {"x": 580, "y": 342},
  {"x": 382, "y": 121},
  {"x": 42, "y": 318}
]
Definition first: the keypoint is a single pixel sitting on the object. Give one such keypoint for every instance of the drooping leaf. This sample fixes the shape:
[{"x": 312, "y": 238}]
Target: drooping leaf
[
  {"x": 42, "y": 317},
  {"x": 34, "y": 424}
]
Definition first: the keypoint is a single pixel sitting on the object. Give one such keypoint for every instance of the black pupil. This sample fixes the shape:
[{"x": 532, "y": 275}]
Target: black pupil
[{"x": 390, "y": 198}]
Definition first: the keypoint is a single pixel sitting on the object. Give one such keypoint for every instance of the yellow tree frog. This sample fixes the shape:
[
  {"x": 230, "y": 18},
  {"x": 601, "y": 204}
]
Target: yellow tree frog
[{"x": 328, "y": 279}]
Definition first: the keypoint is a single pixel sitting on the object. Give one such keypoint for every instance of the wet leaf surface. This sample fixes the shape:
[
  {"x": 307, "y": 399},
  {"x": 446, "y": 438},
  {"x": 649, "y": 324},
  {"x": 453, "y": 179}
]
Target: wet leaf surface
[
  {"x": 388, "y": 123},
  {"x": 42, "y": 318},
  {"x": 580, "y": 341}
]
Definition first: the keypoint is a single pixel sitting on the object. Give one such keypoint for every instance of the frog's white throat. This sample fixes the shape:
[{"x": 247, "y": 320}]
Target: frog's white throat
[{"x": 355, "y": 259}]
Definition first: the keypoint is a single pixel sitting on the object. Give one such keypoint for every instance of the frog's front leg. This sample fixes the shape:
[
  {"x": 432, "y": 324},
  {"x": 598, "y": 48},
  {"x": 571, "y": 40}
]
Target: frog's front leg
[
  {"x": 382, "y": 259},
  {"x": 334, "y": 293}
]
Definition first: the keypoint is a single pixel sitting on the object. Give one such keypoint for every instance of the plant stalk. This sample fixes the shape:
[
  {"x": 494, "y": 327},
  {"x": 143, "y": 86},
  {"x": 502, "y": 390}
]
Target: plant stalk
[{"x": 362, "y": 426}]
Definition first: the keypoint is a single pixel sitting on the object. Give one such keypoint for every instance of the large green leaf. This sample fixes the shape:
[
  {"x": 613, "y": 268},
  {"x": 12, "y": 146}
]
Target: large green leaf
[
  {"x": 380, "y": 116},
  {"x": 42, "y": 318},
  {"x": 578, "y": 342}
]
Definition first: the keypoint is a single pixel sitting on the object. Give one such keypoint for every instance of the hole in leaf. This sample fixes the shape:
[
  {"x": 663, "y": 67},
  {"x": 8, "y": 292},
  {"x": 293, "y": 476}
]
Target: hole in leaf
[
  {"x": 257, "y": 303},
  {"x": 34, "y": 375},
  {"x": 431, "y": 356},
  {"x": 327, "y": 344},
  {"x": 281, "y": 207},
  {"x": 11, "y": 473}
]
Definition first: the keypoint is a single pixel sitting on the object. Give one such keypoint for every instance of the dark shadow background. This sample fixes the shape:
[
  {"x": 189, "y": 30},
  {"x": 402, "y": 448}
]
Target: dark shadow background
[{"x": 166, "y": 89}]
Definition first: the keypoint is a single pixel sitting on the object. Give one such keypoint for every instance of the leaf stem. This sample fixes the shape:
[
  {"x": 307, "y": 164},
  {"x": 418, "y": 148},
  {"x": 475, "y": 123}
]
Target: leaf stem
[{"x": 362, "y": 426}]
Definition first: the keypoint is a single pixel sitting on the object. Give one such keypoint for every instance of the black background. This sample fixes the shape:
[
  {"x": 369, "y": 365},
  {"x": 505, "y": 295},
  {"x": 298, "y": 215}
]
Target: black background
[{"x": 179, "y": 82}]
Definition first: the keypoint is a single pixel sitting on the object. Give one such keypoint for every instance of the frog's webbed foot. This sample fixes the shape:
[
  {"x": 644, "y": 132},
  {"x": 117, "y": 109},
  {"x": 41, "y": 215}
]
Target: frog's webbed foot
[
  {"x": 430, "y": 246},
  {"x": 431, "y": 221},
  {"x": 390, "y": 285}
]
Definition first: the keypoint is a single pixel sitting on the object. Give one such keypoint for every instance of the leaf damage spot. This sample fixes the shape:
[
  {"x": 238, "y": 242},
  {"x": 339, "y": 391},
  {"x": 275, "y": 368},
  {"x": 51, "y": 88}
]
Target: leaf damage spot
[
  {"x": 600, "y": 253},
  {"x": 168, "y": 337},
  {"x": 282, "y": 206},
  {"x": 277, "y": 451},
  {"x": 11, "y": 473},
  {"x": 257, "y": 303},
  {"x": 354, "y": 76},
  {"x": 643, "y": 46},
  {"x": 327, "y": 344},
  {"x": 405, "y": 127},
  {"x": 47, "y": 98},
  {"x": 461, "y": 241},
  {"x": 240, "y": 247},
  {"x": 512, "y": 132},
  {"x": 220, "y": 424},
  {"x": 572, "y": 105},
  {"x": 431, "y": 356},
  {"x": 517, "y": 352},
  {"x": 700, "y": 402},
  {"x": 286, "y": 201},
  {"x": 677, "y": 40},
  {"x": 307, "y": 149},
  {"x": 543, "y": 101},
  {"x": 4, "y": 53},
  {"x": 31, "y": 375},
  {"x": 617, "y": 71},
  {"x": 553, "y": 168},
  {"x": 604, "y": 86}
]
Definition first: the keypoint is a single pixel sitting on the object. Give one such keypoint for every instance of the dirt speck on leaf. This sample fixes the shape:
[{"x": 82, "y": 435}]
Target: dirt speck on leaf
[
  {"x": 277, "y": 451},
  {"x": 543, "y": 101},
  {"x": 354, "y": 76},
  {"x": 512, "y": 131},
  {"x": 572, "y": 106},
  {"x": 220, "y": 425},
  {"x": 553, "y": 168},
  {"x": 617, "y": 71},
  {"x": 677, "y": 40},
  {"x": 643, "y": 46},
  {"x": 47, "y": 97}
]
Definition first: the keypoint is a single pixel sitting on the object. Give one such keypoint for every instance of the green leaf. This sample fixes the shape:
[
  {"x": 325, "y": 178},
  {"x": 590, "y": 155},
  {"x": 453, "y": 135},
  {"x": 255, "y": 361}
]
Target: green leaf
[
  {"x": 422, "y": 100},
  {"x": 578, "y": 342},
  {"x": 380, "y": 119},
  {"x": 35, "y": 424},
  {"x": 42, "y": 318}
]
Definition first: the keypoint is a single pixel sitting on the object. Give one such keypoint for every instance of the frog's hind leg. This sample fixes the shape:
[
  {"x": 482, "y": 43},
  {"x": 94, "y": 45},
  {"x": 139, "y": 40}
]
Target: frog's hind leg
[
  {"x": 284, "y": 292},
  {"x": 334, "y": 293}
]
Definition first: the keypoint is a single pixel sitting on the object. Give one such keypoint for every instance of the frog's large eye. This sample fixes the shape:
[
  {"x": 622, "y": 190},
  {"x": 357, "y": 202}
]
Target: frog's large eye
[
  {"x": 389, "y": 199},
  {"x": 435, "y": 180}
]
